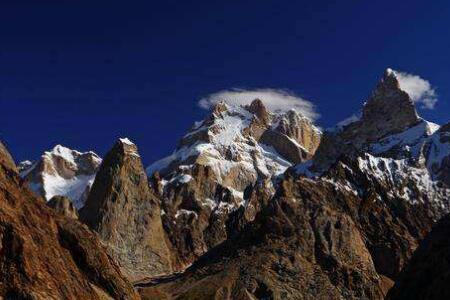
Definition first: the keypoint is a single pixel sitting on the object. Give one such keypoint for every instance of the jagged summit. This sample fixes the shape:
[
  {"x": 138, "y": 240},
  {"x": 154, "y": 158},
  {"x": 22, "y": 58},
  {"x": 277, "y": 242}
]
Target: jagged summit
[
  {"x": 62, "y": 172},
  {"x": 234, "y": 134},
  {"x": 389, "y": 109},
  {"x": 393, "y": 145}
]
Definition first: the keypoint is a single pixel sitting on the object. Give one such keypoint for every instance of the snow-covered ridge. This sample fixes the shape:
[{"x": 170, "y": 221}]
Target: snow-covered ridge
[
  {"x": 62, "y": 171},
  {"x": 409, "y": 141},
  {"x": 407, "y": 164}
]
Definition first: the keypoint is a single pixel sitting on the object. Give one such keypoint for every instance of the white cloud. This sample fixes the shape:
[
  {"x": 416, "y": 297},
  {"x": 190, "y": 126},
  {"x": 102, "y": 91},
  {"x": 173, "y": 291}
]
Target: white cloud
[
  {"x": 273, "y": 99},
  {"x": 419, "y": 89}
]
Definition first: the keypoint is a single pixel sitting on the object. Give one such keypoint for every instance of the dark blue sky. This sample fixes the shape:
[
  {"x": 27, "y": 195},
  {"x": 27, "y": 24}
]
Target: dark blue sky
[{"x": 82, "y": 73}]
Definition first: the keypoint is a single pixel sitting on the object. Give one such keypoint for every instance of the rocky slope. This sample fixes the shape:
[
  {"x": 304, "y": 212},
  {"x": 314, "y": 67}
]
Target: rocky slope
[
  {"x": 205, "y": 184},
  {"x": 302, "y": 245},
  {"x": 126, "y": 215},
  {"x": 427, "y": 274},
  {"x": 62, "y": 172},
  {"x": 6, "y": 158},
  {"x": 47, "y": 256}
]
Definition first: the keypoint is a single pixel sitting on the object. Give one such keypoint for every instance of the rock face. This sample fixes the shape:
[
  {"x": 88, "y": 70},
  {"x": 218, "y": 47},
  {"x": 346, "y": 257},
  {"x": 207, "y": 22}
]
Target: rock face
[
  {"x": 391, "y": 225},
  {"x": 47, "y": 256},
  {"x": 302, "y": 245},
  {"x": 203, "y": 183},
  {"x": 62, "y": 172},
  {"x": 126, "y": 215},
  {"x": 6, "y": 158},
  {"x": 427, "y": 274},
  {"x": 64, "y": 206}
]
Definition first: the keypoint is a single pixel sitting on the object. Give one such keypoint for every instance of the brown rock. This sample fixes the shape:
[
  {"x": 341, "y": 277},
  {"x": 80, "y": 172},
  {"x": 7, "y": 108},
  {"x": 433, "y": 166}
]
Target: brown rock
[
  {"x": 299, "y": 247},
  {"x": 301, "y": 130},
  {"x": 126, "y": 215},
  {"x": 48, "y": 256},
  {"x": 6, "y": 158},
  {"x": 392, "y": 227},
  {"x": 285, "y": 146},
  {"x": 389, "y": 110}
]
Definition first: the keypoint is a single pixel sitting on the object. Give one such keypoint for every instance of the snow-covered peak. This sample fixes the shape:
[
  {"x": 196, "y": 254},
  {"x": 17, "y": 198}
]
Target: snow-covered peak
[
  {"x": 64, "y": 172},
  {"x": 63, "y": 152}
]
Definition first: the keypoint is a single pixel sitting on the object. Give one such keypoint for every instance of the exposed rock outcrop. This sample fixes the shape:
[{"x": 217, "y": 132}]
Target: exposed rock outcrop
[
  {"x": 47, "y": 256},
  {"x": 123, "y": 211},
  {"x": 6, "y": 158}
]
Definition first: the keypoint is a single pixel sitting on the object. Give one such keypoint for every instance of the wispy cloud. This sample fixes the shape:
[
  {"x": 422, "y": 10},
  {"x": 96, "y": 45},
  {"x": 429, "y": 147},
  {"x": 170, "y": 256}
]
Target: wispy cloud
[
  {"x": 419, "y": 89},
  {"x": 273, "y": 99}
]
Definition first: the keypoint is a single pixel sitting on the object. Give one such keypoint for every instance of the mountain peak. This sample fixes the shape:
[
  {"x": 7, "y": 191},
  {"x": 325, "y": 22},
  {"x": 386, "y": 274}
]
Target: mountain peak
[
  {"x": 62, "y": 172},
  {"x": 389, "y": 73},
  {"x": 126, "y": 141},
  {"x": 389, "y": 109},
  {"x": 127, "y": 147}
]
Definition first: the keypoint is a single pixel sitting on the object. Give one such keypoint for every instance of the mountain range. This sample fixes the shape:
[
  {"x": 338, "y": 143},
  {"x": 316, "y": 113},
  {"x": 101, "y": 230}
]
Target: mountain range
[{"x": 252, "y": 204}]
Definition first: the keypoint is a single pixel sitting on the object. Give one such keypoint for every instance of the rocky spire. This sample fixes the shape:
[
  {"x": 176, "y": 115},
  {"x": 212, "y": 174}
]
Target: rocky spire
[
  {"x": 389, "y": 109},
  {"x": 122, "y": 209},
  {"x": 259, "y": 110}
]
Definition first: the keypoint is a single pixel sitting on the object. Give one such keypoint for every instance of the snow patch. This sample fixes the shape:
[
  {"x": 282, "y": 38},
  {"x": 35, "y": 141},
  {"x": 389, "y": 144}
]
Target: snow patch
[{"x": 126, "y": 141}]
